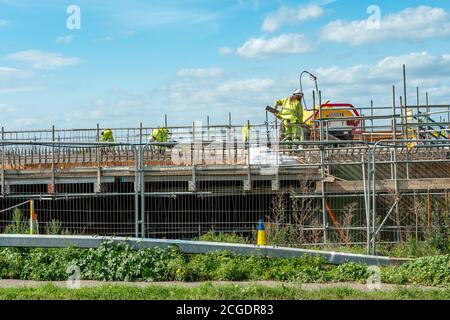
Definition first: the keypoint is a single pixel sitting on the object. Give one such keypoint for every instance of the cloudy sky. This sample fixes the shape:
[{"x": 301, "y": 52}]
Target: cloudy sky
[{"x": 135, "y": 60}]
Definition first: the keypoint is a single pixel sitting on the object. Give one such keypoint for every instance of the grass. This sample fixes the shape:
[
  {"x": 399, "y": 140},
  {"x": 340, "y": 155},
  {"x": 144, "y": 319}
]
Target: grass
[
  {"x": 213, "y": 236},
  {"x": 214, "y": 292}
]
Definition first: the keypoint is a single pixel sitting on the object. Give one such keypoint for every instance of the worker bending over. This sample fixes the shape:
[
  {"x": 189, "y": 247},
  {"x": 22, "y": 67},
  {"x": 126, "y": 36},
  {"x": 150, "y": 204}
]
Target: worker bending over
[
  {"x": 291, "y": 114},
  {"x": 107, "y": 136},
  {"x": 160, "y": 135}
]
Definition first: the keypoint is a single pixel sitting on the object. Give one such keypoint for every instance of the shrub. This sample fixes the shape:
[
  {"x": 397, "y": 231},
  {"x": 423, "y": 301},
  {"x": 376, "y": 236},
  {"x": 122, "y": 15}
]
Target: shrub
[
  {"x": 56, "y": 227},
  {"x": 304, "y": 269},
  {"x": 49, "y": 264},
  {"x": 10, "y": 263},
  {"x": 423, "y": 271},
  {"x": 119, "y": 262},
  {"x": 19, "y": 225},
  {"x": 350, "y": 272}
]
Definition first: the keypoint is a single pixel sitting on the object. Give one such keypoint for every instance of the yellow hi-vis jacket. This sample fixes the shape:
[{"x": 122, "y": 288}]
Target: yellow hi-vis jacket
[
  {"x": 160, "y": 134},
  {"x": 107, "y": 136},
  {"x": 291, "y": 111},
  {"x": 246, "y": 130}
]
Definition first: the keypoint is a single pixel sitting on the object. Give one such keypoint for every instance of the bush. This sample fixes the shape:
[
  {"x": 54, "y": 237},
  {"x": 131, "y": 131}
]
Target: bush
[
  {"x": 119, "y": 262},
  {"x": 56, "y": 227},
  {"x": 19, "y": 225},
  {"x": 219, "y": 265},
  {"x": 10, "y": 263},
  {"x": 423, "y": 271},
  {"x": 49, "y": 264},
  {"x": 350, "y": 272},
  {"x": 304, "y": 269}
]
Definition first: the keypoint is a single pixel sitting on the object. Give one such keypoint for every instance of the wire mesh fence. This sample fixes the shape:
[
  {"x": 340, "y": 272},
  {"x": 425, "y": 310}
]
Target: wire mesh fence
[{"x": 214, "y": 179}]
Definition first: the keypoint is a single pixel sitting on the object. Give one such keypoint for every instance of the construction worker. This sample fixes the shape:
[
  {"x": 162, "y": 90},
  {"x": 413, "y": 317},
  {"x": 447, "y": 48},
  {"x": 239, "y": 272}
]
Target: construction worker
[
  {"x": 291, "y": 114},
  {"x": 160, "y": 135},
  {"x": 107, "y": 136},
  {"x": 246, "y": 131}
]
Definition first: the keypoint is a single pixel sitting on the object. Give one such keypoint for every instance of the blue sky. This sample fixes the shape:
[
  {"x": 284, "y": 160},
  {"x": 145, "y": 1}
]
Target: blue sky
[{"x": 134, "y": 61}]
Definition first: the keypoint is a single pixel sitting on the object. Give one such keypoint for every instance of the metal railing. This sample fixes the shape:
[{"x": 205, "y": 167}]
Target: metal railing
[{"x": 321, "y": 192}]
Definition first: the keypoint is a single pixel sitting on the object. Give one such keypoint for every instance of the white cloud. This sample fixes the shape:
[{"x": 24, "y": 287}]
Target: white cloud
[
  {"x": 359, "y": 84},
  {"x": 13, "y": 80},
  {"x": 151, "y": 16},
  {"x": 18, "y": 89},
  {"x": 9, "y": 108},
  {"x": 43, "y": 60},
  {"x": 419, "y": 64},
  {"x": 245, "y": 86},
  {"x": 284, "y": 44},
  {"x": 21, "y": 123},
  {"x": 225, "y": 51},
  {"x": 356, "y": 84},
  {"x": 8, "y": 74},
  {"x": 112, "y": 110},
  {"x": 408, "y": 25},
  {"x": 65, "y": 39},
  {"x": 291, "y": 15},
  {"x": 199, "y": 97},
  {"x": 200, "y": 73}
]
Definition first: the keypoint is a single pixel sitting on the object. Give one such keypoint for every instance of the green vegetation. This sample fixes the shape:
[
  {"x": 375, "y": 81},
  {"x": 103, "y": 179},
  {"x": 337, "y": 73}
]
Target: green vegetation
[
  {"x": 56, "y": 227},
  {"x": 19, "y": 224},
  {"x": 436, "y": 238},
  {"x": 426, "y": 270},
  {"x": 217, "y": 292},
  {"x": 213, "y": 236},
  {"x": 119, "y": 262}
]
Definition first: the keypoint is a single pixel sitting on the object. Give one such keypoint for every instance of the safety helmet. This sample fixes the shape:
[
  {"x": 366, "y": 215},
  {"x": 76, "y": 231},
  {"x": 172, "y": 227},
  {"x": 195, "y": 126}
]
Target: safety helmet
[{"x": 297, "y": 92}]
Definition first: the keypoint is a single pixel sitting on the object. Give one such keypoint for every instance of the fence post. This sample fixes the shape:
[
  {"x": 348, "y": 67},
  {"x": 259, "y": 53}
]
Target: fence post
[
  {"x": 418, "y": 113},
  {"x": 136, "y": 191},
  {"x": 33, "y": 218},
  {"x": 97, "y": 159},
  {"x": 366, "y": 202},
  {"x": 405, "y": 100},
  {"x": 142, "y": 181},
  {"x": 97, "y": 139},
  {"x": 207, "y": 125},
  {"x": 268, "y": 143},
  {"x": 374, "y": 192},
  {"x": 322, "y": 171},
  {"x": 3, "y": 161},
  {"x": 248, "y": 184},
  {"x": 53, "y": 160},
  {"x": 371, "y": 120},
  {"x": 193, "y": 183}
]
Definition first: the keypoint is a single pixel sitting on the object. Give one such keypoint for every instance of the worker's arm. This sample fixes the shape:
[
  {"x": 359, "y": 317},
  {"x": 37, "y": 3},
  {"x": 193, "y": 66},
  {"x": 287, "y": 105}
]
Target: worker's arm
[{"x": 278, "y": 103}]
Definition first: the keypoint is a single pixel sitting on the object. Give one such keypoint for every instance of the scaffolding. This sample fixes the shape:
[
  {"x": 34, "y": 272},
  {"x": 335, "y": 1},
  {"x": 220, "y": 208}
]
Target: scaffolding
[{"x": 389, "y": 182}]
